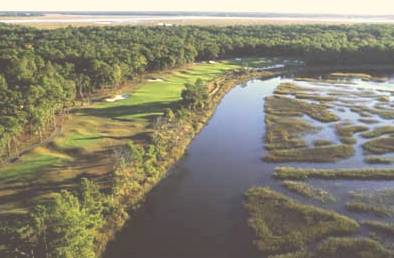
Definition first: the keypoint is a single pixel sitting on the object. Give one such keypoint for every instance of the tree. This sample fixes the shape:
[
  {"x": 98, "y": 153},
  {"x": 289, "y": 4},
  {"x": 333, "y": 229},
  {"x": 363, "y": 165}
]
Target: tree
[
  {"x": 194, "y": 96},
  {"x": 67, "y": 226}
]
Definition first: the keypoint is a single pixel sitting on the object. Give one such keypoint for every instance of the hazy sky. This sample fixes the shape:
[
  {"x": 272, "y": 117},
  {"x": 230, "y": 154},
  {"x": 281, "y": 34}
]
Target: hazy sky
[{"x": 293, "y": 6}]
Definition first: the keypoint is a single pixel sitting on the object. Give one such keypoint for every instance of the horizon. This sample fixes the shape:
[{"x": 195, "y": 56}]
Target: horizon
[{"x": 335, "y": 7}]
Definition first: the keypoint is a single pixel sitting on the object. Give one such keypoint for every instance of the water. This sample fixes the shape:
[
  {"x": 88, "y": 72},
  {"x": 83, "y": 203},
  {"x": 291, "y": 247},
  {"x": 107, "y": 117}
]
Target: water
[{"x": 197, "y": 211}]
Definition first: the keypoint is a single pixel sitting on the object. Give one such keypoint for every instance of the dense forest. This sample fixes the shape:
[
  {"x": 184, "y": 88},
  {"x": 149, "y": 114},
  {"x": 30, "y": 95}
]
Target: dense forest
[{"x": 43, "y": 72}]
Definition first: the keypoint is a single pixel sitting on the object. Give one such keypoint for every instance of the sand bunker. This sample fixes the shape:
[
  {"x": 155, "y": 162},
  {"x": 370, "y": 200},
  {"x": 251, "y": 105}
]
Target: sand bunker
[
  {"x": 117, "y": 98},
  {"x": 155, "y": 80}
]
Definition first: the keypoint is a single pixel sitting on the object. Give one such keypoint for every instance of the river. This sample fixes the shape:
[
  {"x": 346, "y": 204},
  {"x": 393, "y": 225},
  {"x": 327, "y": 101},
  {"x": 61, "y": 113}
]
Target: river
[{"x": 197, "y": 211}]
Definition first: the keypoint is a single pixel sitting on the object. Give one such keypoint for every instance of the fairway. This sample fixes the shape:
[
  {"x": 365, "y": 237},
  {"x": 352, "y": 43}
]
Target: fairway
[{"x": 85, "y": 146}]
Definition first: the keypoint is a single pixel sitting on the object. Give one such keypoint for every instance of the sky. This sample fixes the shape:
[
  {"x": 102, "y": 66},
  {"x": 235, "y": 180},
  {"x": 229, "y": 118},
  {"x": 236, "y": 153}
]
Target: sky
[{"x": 373, "y": 7}]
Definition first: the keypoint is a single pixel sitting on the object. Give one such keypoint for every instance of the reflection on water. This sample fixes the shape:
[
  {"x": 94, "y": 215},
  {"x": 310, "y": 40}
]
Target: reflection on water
[{"x": 197, "y": 211}]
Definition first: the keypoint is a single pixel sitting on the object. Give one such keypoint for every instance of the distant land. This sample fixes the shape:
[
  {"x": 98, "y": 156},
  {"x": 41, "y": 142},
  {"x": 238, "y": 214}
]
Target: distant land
[{"x": 59, "y": 19}]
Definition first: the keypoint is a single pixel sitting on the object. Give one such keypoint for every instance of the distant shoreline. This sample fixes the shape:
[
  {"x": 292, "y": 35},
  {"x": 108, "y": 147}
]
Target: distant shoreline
[{"x": 184, "y": 18}]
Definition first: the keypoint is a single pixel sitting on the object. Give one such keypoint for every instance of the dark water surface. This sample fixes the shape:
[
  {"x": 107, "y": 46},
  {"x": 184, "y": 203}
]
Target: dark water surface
[{"x": 197, "y": 211}]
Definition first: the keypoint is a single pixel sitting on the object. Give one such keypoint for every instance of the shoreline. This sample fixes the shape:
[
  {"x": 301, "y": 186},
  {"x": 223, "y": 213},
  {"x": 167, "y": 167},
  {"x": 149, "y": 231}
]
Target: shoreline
[{"x": 186, "y": 131}]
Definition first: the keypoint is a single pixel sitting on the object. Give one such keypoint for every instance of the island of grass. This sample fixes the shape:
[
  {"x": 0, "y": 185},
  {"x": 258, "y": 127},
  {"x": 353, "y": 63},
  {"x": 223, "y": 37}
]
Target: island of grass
[
  {"x": 380, "y": 145},
  {"x": 283, "y": 225},
  {"x": 308, "y": 191},
  {"x": 368, "y": 121},
  {"x": 286, "y": 106},
  {"x": 344, "y": 247},
  {"x": 379, "y": 131},
  {"x": 362, "y": 76},
  {"x": 286, "y": 132},
  {"x": 286, "y": 126},
  {"x": 347, "y": 131},
  {"x": 292, "y": 173},
  {"x": 325, "y": 153},
  {"x": 380, "y": 227},
  {"x": 379, "y": 160},
  {"x": 378, "y": 202},
  {"x": 352, "y": 248}
]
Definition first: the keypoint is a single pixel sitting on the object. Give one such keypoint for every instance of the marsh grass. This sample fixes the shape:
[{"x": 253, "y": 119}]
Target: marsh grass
[
  {"x": 283, "y": 225},
  {"x": 380, "y": 145},
  {"x": 378, "y": 202},
  {"x": 355, "y": 173},
  {"x": 309, "y": 191},
  {"x": 344, "y": 247},
  {"x": 363, "y": 76},
  {"x": 286, "y": 132},
  {"x": 315, "y": 97},
  {"x": 380, "y": 227},
  {"x": 350, "y": 247},
  {"x": 360, "y": 207},
  {"x": 368, "y": 121},
  {"x": 347, "y": 131},
  {"x": 378, "y": 160},
  {"x": 286, "y": 126},
  {"x": 285, "y": 106},
  {"x": 385, "y": 113},
  {"x": 379, "y": 131},
  {"x": 383, "y": 98},
  {"x": 327, "y": 153},
  {"x": 321, "y": 142}
]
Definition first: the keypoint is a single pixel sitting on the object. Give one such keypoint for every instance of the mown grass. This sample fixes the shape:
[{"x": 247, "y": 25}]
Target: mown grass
[
  {"x": 283, "y": 225},
  {"x": 93, "y": 130},
  {"x": 328, "y": 153},
  {"x": 308, "y": 191},
  {"x": 380, "y": 145},
  {"x": 31, "y": 165},
  {"x": 292, "y": 173}
]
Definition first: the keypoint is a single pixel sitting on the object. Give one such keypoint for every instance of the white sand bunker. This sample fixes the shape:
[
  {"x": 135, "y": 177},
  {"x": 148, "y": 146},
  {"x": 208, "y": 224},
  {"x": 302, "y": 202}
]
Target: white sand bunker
[
  {"x": 116, "y": 98},
  {"x": 155, "y": 80}
]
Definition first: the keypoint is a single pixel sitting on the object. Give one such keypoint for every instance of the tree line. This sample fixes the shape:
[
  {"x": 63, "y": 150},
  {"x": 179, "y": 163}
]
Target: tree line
[{"x": 42, "y": 72}]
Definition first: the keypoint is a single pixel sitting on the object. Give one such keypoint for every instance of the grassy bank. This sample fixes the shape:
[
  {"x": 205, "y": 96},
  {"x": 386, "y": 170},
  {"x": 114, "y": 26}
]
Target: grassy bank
[
  {"x": 170, "y": 142},
  {"x": 85, "y": 146},
  {"x": 167, "y": 131}
]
